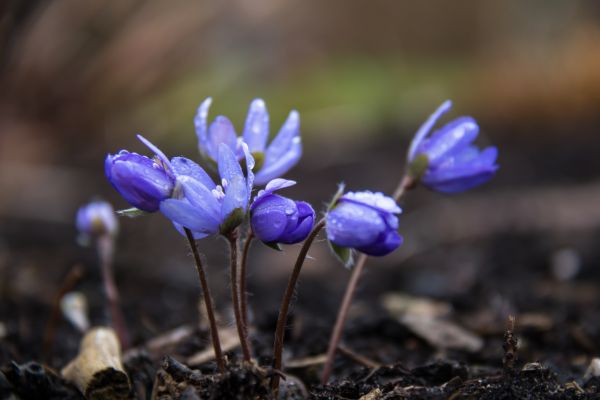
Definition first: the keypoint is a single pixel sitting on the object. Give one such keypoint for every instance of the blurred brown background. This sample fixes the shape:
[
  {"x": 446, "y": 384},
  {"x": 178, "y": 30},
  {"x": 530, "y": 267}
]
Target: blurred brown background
[{"x": 79, "y": 79}]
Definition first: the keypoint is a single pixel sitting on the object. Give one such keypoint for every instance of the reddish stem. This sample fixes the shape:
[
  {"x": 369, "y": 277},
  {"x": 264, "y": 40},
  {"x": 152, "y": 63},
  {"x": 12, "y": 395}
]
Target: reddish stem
[
  {"x": 243, "y": 290},
  {"x": 106, "y": 247},
  {"x": 214, "y": 333},
  {"x": 235, "y": 290},
  {"x": 285, "y": 305}
]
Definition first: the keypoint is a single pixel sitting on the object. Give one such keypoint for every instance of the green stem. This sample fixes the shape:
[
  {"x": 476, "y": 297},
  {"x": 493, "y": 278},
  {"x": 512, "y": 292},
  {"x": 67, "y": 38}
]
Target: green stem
[
  {"x": 214, "y": 333},
  {"x": 285, "y": 305}
]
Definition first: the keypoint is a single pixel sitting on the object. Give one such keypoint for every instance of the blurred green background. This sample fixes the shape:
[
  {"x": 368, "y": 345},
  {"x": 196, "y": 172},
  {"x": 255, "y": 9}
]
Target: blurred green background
[{"x": 79, "y": 79}]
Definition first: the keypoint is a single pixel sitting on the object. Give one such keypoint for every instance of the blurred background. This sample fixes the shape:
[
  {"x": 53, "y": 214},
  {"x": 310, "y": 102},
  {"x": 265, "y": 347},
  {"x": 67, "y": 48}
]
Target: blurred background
[{"x": 79, "y": 79}]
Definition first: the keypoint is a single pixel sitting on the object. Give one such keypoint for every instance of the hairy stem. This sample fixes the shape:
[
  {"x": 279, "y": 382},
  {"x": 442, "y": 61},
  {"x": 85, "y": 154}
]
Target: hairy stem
[
  {"x": 406, "y": 183},
  {"x": 235, "y": 290},
  {"x": 106, "y": 247},
  {"x": 285, "y": 304},
  {"x": 214, "y": 333},
  {"x": 243, "y": 291}
]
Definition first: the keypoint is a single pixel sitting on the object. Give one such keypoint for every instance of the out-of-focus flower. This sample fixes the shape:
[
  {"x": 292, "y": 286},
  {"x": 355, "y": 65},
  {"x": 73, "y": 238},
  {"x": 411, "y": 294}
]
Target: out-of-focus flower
[
  {"x": 364, "y": 221},
  {"x": 205, "y": 207},
  {"x": 142, "y": 181},
  {"x": 277, "y": 219},
  {"x": 447, "y": 161},
  {"x": 97, "y": 218},
  {"x": 272, "y": 161}
]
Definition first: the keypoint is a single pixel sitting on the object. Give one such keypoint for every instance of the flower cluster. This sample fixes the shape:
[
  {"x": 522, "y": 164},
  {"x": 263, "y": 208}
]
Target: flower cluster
[{"x": 446, "y": 161}]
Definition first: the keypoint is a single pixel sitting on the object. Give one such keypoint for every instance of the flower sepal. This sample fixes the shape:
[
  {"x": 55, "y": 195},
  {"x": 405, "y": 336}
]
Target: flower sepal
[
  {"x": 418, "y": 166},
  {"x": 232, "y": 221},
  {"x": 131, "y": 212},
  {"x": 273, "y": 245},
  {"x": 336, "y": 196},
  {"x": 344, "y": 254}
]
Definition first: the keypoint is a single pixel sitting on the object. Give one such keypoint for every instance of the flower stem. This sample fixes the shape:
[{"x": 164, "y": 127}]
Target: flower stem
[
  {"x": 235, "y": 290},
  {"x": 406, "y": 183},
  {"x": 106, "y": 247},
  {"x": 214, "y": 333},
  {"x": 285, "y": 304},
  {"x": 243, "y": 292}
]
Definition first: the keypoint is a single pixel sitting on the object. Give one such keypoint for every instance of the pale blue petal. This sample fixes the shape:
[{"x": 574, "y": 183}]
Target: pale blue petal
[
  {"x": 221, "y": 131},
  {"x": 156, "y": 151},
  {"x": 256, "y": 130},
  {"x": 453, "y": 137},
  {"x": 426, "y": 127},
  {"x": 229, "y": 167},
  {"x": 201, "y": 125},
  {"x": 200, "y": 196},
  {"x": 236, "y": 196},
  {"x": 193, "y": 218},
  {"x": 187, "y": 167},
  {"x": 353, "y": 225}
]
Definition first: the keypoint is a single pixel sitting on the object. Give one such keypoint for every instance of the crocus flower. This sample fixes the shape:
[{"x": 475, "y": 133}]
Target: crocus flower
[
  {"x": 272, "y": 161},
  {"x": 205, "y": 207},
  {"x": 447, "y": 161},
  {"x": 364, "y": 221},
  {"x": 277, "y": 219},
  {"x": 142, "y": 181},
  {"x": 97, "y": 218}
]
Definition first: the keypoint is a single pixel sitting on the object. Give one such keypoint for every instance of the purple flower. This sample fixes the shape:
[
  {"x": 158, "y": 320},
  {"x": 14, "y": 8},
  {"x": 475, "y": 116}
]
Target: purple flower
[
  {"x": 96, "y": 218},
  {"x": 272, "y": 161},
  {"x": 364, "y": 221},
  {"x": 142, "y": 181},
  {"x": 447, "y": 161},
  {"x": 277, "y": 219},
  {"x": 203, "y": 206}
]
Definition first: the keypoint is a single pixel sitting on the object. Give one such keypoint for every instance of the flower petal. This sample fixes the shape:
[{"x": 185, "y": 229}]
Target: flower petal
[
  {"x": 306, "y": 216},
  {"x": 354, "y": 225},
  {"x": 452, "y": 137},
  {"x": 187, "y": 167},
  {"x": 184, "y": 213},
  {"x": 385, "y": 244},
  {"x": 249, "y": 169},
  {"x": 426, "y": 127},
  {"x": 377, "y": 200},
  {"x": 236, "y": 196},
  {"x": 156, "y": 151},
  {"x": 221, "y": 131},
  {"x": 229, "y": 167},
  {"x": 256, "y": 130},
  {"x": 283, "y": 152},
  {"x": 200, "y": 123},
  {"x": 196, "y": 235},
  {"x": 201, "y": 197}
]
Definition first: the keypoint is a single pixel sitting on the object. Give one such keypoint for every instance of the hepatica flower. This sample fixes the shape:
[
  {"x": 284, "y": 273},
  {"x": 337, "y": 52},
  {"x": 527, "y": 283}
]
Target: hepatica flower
[
  {"x": 277, "y": 219},
  {"x": 273, "y": 160},
  {"x": 447, "y": 161},
  {"x": 205, "y": 207},
  {"x": 96, "y": 218},
  {"x": 144, "y": 182},
  {"x": 364, "y": 221}
]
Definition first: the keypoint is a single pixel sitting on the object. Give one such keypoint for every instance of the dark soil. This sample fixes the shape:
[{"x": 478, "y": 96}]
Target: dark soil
[{"x": 474, "y": 283}]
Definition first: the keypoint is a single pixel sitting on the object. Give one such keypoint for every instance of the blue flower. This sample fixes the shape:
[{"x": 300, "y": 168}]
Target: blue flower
[
  {"x": 205, "y": 207},
  {"x": 142, "y": 181},
  {"x": 447, "y": 161},
  {"x": 96, "y": 218},
  {"x": 277, "y": 219},
  {"x": 364, "y": 221},
  {"x": 272, "y": 161}
]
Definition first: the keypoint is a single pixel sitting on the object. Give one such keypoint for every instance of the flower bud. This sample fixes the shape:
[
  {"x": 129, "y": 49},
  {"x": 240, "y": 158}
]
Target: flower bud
[
  {"x": 143, "y": 182},
  {"x": 97, "y": 218},
  {"x": 277, "y": 219},
  {"x": 364, "y": 221}
]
